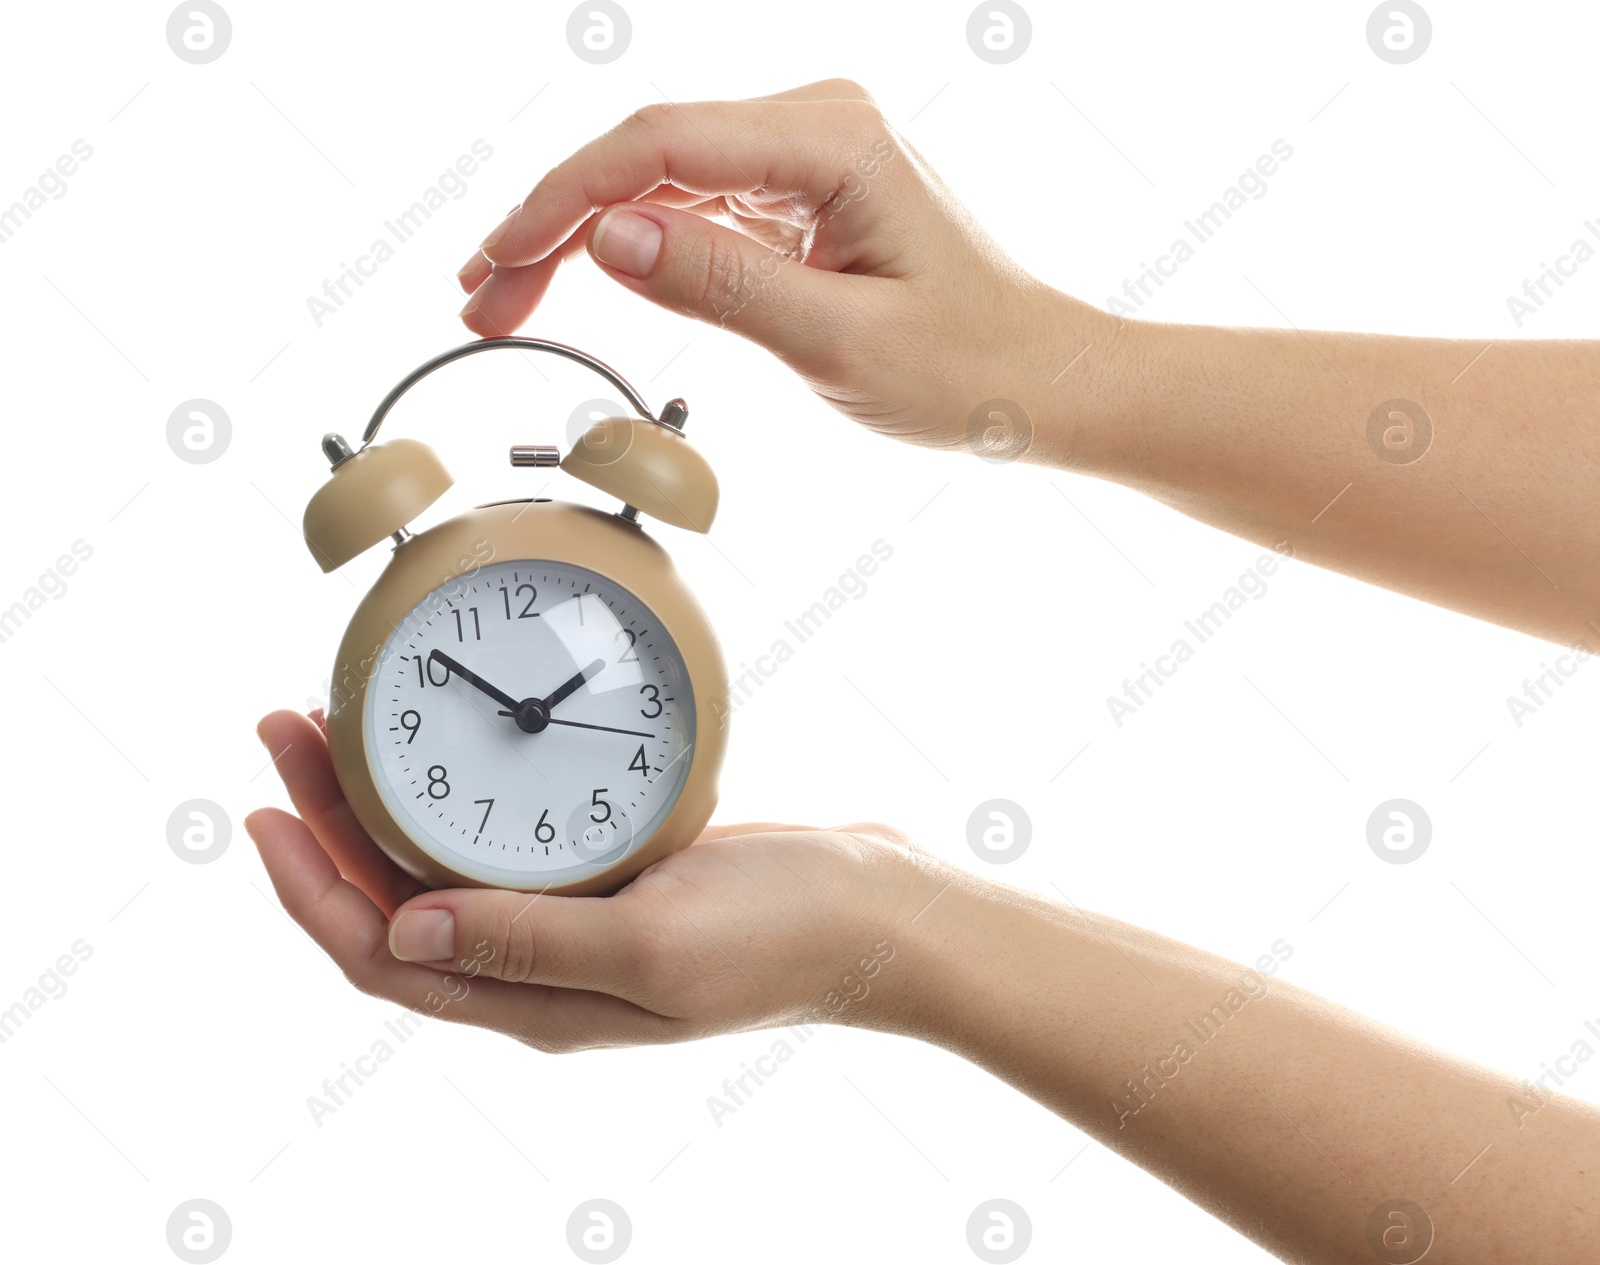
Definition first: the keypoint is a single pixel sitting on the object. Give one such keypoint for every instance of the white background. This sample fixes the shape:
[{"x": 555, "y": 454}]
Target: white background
[{"x": 179, "y": 1062}]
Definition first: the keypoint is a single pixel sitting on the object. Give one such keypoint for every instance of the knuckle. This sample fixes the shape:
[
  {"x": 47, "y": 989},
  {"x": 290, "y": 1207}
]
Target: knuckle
[
  {"x": 846, "y": 87},
  {"x": 858, "y": 114},
  {"x": 545, "y": 1043},
  {"x": 362, "y": 978},
  {"x": 634, "y": 965},
  {"x": 514, "y": 957},
  {"x": 648, "y": 117},
  {"x": 658, "y": 972},
  {"x": 869, "y": 843},
  {"x": 719, "y": 267},
  {"x": 641, "y": 965},
  {"x": 359, "y": 981}
]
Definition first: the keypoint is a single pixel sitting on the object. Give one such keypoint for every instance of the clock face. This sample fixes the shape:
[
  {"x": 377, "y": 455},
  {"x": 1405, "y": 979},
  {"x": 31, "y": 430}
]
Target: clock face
[{"x": 530, "y": 721}]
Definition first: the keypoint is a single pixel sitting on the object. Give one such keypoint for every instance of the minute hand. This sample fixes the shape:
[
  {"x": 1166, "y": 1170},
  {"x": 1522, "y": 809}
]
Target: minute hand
[
  {"x": 472, "y": 678},
  {"x": 578, "y": 724}
]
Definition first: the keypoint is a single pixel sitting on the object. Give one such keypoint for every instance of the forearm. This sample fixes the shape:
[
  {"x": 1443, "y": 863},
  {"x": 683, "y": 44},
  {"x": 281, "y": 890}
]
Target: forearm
[
  {"x": 1288, "y": 1117},
  {"x": 1270, "y": 434}
]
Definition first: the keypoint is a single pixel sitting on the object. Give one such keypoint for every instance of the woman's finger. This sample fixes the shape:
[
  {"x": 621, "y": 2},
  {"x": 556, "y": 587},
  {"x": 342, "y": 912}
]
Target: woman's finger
[
  {"x": 506, "y": 297},
  {"x": 351, "y": 930},
  {"x": 300, "y": 752},
  {"x": 478, "y": 269},
  {"x": 594, "y": 943},
  {"x": 794, "y": 152},
  {"x": 694, "y": 266},
  {"x": 502, "y": 299},
  {"x": 733, "y": 830},
  {"x": 822, "y": 90},
  {"x": 474, "y": 272}
]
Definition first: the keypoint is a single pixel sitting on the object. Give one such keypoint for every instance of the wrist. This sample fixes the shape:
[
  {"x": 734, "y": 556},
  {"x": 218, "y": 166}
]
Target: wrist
[
  {"x": 1085, "y": 368},
  {"x": 994, "y": 974},
  {"x": 933, "y": 925}
]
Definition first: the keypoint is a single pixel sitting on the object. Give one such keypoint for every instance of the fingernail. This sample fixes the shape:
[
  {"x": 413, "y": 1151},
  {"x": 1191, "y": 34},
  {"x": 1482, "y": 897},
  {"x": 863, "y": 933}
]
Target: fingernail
[
  {"x": 627, "y": 242},
  {"x": 472, "y": 265},
  {"x": 471, "y": 304},
  {"x": 423, "y": 935},
  {"x": 502, "y": 228}
]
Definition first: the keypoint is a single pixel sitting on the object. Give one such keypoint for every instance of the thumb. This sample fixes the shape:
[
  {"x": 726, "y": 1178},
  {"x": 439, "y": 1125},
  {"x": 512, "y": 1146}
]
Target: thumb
[
  {"x": 587, "y": 942},
  {"x": 698, "y": 268}
]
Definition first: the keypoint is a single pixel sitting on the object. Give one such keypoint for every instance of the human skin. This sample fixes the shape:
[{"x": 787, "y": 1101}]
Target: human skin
[
  {"x": 899, "y": 310},
  {"x": 1293, "y": 1122},
  {"x": 1298, "y": 1118}
]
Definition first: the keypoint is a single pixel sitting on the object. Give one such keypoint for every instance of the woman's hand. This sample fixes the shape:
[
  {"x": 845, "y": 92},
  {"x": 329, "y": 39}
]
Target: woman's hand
[
  {"x": 848, "y": 259},
  {"x": 1213, "y": 1076},
  {"x": 753, "y": 926}
]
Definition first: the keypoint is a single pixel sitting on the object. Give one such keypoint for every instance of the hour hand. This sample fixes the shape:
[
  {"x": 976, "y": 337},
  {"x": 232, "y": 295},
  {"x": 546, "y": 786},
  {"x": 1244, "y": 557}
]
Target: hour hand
[
  {"x": 572, "y": 685},
  {"x": 472, "y": 678},
  {"x": 564, "y": 691}
]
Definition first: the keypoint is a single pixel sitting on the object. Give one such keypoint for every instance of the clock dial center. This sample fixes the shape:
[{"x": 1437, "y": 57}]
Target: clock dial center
[{"x": 532, "y": 716}]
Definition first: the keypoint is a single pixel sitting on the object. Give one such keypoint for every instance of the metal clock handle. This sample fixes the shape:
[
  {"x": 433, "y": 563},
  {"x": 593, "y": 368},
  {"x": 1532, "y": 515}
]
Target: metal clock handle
[{"x": 673, "y": 415}]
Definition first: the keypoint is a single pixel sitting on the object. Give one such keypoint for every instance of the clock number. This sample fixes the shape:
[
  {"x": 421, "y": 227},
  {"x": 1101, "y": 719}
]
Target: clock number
[
  {"x": 477, "y": 632},
  {"x": 486, "y": 812},
  {"x": 628, "y": 655},
  {"x": 600, "y": 803},
  {"x": 436, "y": 777},
  {"x": 655, "y": 697},
  {"x": 411, "y": 721},
  {"x": 544, "y": 832},
  {"x": 527, "y": 611},
  {"x": 425, "y": 673},
  {"x": 639, "y": 764}
]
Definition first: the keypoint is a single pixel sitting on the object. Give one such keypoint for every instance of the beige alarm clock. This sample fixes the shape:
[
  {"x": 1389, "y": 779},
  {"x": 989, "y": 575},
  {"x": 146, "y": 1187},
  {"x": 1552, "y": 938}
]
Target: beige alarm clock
[{"x": 529, "y": 697}]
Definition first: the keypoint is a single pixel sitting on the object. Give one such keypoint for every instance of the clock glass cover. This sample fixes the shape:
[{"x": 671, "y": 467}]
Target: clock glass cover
[{"x": 531, "y": 721}]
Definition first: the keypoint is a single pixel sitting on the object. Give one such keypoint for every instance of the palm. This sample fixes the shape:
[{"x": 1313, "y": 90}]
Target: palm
[{"x": 751, "y": 926}]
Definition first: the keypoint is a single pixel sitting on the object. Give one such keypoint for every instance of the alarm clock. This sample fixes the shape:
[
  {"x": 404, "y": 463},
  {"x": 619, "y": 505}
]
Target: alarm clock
[{"x": 530, "y": 697}]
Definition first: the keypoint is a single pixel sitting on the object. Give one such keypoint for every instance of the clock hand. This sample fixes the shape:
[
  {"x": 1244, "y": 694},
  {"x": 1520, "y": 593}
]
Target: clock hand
[
  {"x": 578, "y": 724},
  {"x": 533, "y": 714},
  {"x": 562, "y": 692},
  {"x": 472, "y": 678},
  {"x": 571, "y": 686}
]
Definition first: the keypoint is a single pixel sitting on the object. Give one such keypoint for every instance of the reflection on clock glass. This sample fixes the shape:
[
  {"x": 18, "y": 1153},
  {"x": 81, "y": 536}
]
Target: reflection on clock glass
[{"x": 531, "y": 718}]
